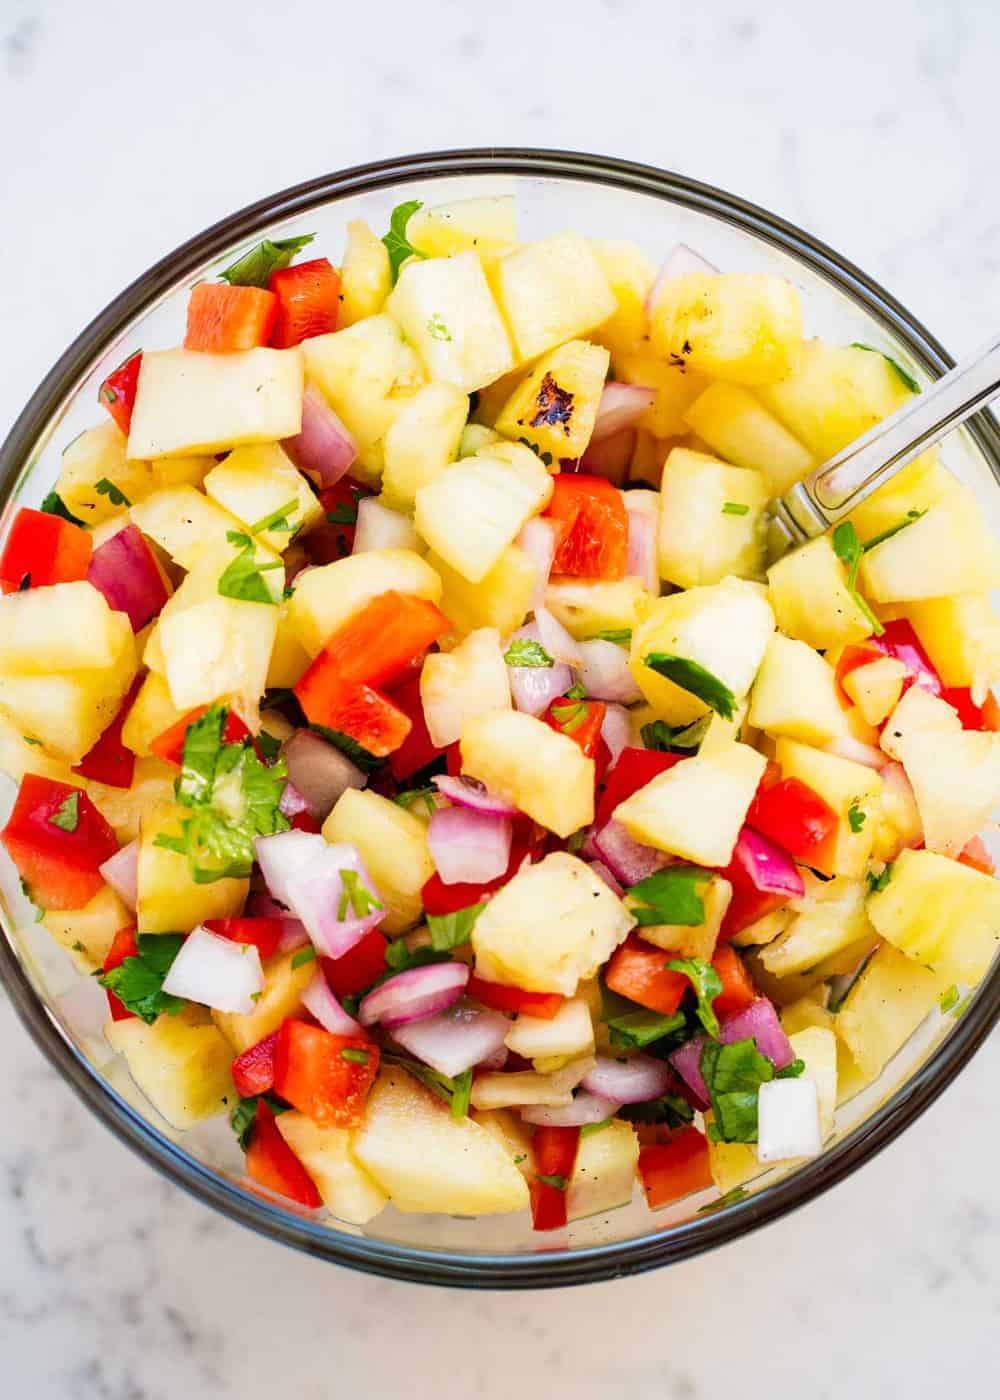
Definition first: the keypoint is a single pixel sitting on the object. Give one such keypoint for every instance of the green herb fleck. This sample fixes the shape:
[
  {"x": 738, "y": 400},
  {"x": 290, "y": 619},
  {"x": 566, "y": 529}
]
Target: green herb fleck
[
  {"x": 847, "y": 548},
  {"x": 67, "y": 815},
  {"x": 412, "y": 796},
  {"x": 731, "y": 1198},
  {"x": 671, "y": 1109},
  {"x": 79, "y": 947},
  {"x": 589, "y": 1128},
  {"x": 707, "y": 986},
  {"x": 343, "y": 513},
  {"x": 523, "y": 651},
  {"x": 399, "y": 958},
  {"x": 904, "y": 374},
  {"x": 29, "y": 740},
  {"x": 277, "y": 522},
  {"x": 436, "y": 328},
  {"x": 911, "y": 516},
  {"x": 694, "y": 679},
  {"x": 733, "y": 1075},
  {"x": 735, "y": 508},
  {"x": 399, "y": 246},
  {"x": 673, "y": 895},
  {"x": 55, "y": 505},
  {"x": 452, "y": 930},
  {"x": 366, "y": 761},
  {"x": 115, "y": 495},
  {"x": 303, "y": 956},
  {"x": 570, "y": 716},
  {"x": 242, "y": 577},
  {"x": 637, "y": 1029},
  {"x": 559, "y": 1183},
  {"x": 361, "y": 899},
  {"x": 254, "y": 268},
  {"x": 356, "y": 1057},
  {"x": 461, "y": 1095},
  {"x": 856, "y": 817},
  {"x": 877, "y": 883},
  {"x": 138, "y": 981},
  {"x": 664, "y": 738},
  {"x": 244, "y": 1115},
  {"x": 622, "y": 635}
]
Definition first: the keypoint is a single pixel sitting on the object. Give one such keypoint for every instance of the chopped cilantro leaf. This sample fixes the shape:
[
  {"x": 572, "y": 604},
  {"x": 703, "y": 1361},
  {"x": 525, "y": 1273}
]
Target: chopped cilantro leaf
[
  {"x": 452, "y": 930},
  {"x": 67, "y": 815},
  {"x": 904, "y": 374},
  {"x": 303, "y": 956},
  {"x": 54, "y": 505},
  {"x": 244, "y": 1115},
  {"x": 671, "y": 1109},
  {"x": 570, "y": 716},
  {"x": 847, "y": 548},
  {"x": 910, "y": 517},
  {"x": 589, "y": 1128},
  {"x": 733, "y": 1075},
  {"x": 707, "y": 986},
  {"x": 254, "y": 268},
  {"x": 461, "y": 1094},
  {"x": 641, "y": 1028},
  {"x": 856, "y": 817},
  {"x": 355, "y": 1056},
  {"x": 29, "y": 740},
  {"x": 670, "y": 896},
  {"x": 731, "y": 1198},
  {"x": 138, "y": 981},
  {"x": 117, "y": 497},
  {"x": 438, "y": 1083},
  {"x": 436, "y": 328},
  {"x": 735, "y": 508},
  {"x": 559, "y": 1183},
  {"x": 277, "y": 521},
  {"x": 242, "y": 577},
  {"x": 694, "y": 679},
  {"x": 399, "y": 246},
  {"x": 876, "y": 883},
  {"x": 523, "y": 651},
  {"x": 343, "y": 513},
  {"x": 356, "y": 895},
  {"x": 622, "y": 635},
  {"x": 399, "y": 958},
  {"x": 666, "y": 739}
]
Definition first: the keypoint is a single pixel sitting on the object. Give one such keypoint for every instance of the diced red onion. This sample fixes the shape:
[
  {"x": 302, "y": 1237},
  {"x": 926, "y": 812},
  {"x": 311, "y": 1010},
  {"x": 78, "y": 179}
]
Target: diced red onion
[
  {"x": 282, "y": 856},
  {"x": 538, "y": 540},
  {"x": 680, "y": 260},
  {"x": 318, "y": 998},
  {"x": 616, "y": 731},
  {"x": 497, "y": 1060},
  {"x": 414, "y": 994},
  {"x": 767, "y": 866},
  {"x": 292, "y": 803},
  {"x": 216, "y": 972},
  {"x": 468, "y": 847},
  {"x": 319, "y": 771},
  {"x": 610, "y": 457},
  {"x": 124, "y": 570},
  {"x": 620, "y": 406},
  {"x": 471, "y": 793},
  {"x": 849, "y": 747},
  {"x": 686, "y": 1060},
  {"x": 603, "y": 873},
  {"x": 379, "y": 527},
  {"x": 588, "y": 848},
  {"x": 293, "y": 931},
  {"x": 309, "y": 879},
  {"x": 628, "y": 1081},
  {"x": 627, "y": 859},
  {"x": 605, "y": 673},
  {"x": 457, "y": 1039},
  {"x": 324, "y": 448},
  {"x": 759, "y": 1021},
  {"x": 533, "y": 688},
  {"x": 585, "y": 1108},
  {"x": 642, "y": 562},
  {"x": 121, "y": 872},
  {"x": 556, "y": 640}
]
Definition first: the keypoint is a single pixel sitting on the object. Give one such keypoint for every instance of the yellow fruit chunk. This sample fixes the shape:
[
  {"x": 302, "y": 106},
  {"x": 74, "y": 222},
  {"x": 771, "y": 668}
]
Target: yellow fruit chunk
[
  {"x": 266, "y": 492},
  {"x": 347, "y": 1190},
  {"x": 326, "y": 597},
  {"x": 542, "y": 772},
  {"x": 555, "y": 406},
  {"x": 604, "y": 1171},
  {"x": 876, "y": 688},
  {"x": 698, "y": 940},
  {"x": 392, "y": 842},
  {"x": 422, "y": 441},
  {"x": 918, "y": 712},
  {"x": 152, "y": 711},
  {"x": 170, "y": 900},
  {"x": 64, "y": 627},
  {"x": 816, "y": 1046},
  {"x": 851, "y": 789},
  {"x": 181, "y": 1064},
  {"x": 551, "y": 291},
  {"x": 186, "y": 523},
  {"x": 920, "y": 485},
  {"x": 832, "y": 919},
  {"x": 739, "y": 326},
  {"x": 586, "y": 607},
  {"x": 99, "y": 455},
  {"x": 949, "y": 550},
  {"x": 365, "y": 275},
  {"x": 961, "y": 636},
  {"x": 281, "y": 998},
  {"x": 795, "y": 694},
  {"x": 956, "y": 783},
  {"x": 712, "y": 520},
  {"x": 87, "y": 933},
  {"x": 888, "y": 1001},
  {"x": 630, "y": 275},
  {"x": 500, "y": 599},
  {"x": 153, "y": 781},
  {"x": 456, "y": 686},
  {"x": 568, "y": 1034},
  {"x": 487, "y": 226},
  {"x": 811, "y": 601},
  {"x": 737, "y": 426}
]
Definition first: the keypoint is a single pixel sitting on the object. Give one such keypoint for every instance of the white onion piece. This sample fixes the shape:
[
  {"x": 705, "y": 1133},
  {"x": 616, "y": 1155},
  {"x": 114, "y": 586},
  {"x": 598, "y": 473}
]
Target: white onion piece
[
  {"x": 309, "y": 876},
  {"x": 605, "y": 674},
  {"x": 292, "y": 803},
  {"x": 788, "y": 1120},
  {"x": 556, "y": 640},
  {"x": 281, "y": 856},
  {"x": 602, "y": 871},
  {"x": 849, "y": 747},
  {"x": 628, "y": 1081},
  {"x": 468, "y": 847},
  {"x": 679, "y": 261},
  {"x": 620, "y": 406},
  {"x": 121, "y": 872},
  {"x": 455, "y": 1040},
  {"x": 323, "y": 448},
  {"x": 628, "y": 859},
  {"x": 216, "y": 972},
  {"x": 414, "y": 994},
  {"x": 318, "y": 998},
  {"x": 471, "y": 793},
  {"x": 538, "y": 540},
  {"x": 585, "y": 1108},
  {"x": 616, "y": 731},
  {"x": 642, "y": 562},
  {"x": 610, "y": 457},
  {"x": 379, "y": 527},
  {"x": 533, "y": 688},
  {"x": 319, "y": 772}
]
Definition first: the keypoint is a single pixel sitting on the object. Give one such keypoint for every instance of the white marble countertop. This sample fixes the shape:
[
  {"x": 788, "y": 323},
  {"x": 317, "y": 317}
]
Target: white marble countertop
[{"x": 128, "y": 126}]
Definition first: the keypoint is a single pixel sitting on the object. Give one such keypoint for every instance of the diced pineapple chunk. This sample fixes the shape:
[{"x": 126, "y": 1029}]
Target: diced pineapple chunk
[
  {"x": 487, "y": 226},
  {"x": 219, "y": 648},
  {"x": 583, "y": 923},
  {"x": 920, "y": 485},
  {"x": 698, "y": 940},
  {"x": 817, "y": 1048},
  {"x": 392, "y": 843},
  {"x": 185, "y": 523},
  {"x": 712, "y": 520},
  {"x": 740, "y": 429},
  {"x": 281, "y": 998},
  {"x": 832, "y": 919},
  {"x": 956, "y": 783},
  {"x": 169, "y": 898},
  {"x": 152, "y": 711},
  {"x": 501, "y": 599},
  {"x": 473, "y": 510},
  {"x": 696, "y": 809},
  {"x": 949, "y": 550},
  {"x": 740, "y": 326},
  {"x": 541, "y": 771},
  {"x": 588, "y": 606},
  {"x": 189, "y": 402},
  {"x": 568, "y": 1034},
  {"x": 604, "y": 1171},
  {"x": 366, "y": 372},
  {"x": 630, "y": 275},
  {"x": 289, "y": 658},
  {"x": 456, "y": 686},
  {"x": 64, "y": 627},
  {"x": 732, "y": 1164},
  {"x": 834, "y": 394},
  {"x": 513, "y": 1135},
  {"x": 555, "y": 406},
  {"x": 422, "y": 441},
  {"x": 180, "y": 471},
  {"x": 347, "y": 1190},
  {"x": 425, "y": 1160},
  {"x": 918, "y": 712},
  {"x": 365, "y": 275},
  {"x": 723, "y": 629},
  {"x": 900, "y": 823},
  {"x": 808, "y": 591},
  {"x": 181, "y": 1064},
  {"x": 795, "y": 694},
  {"x": 260, "y": 485},
  {"x": 961, "y": 636},
  {"x": 876, "y": 688},
  {"x": 153, "y": 781},
  {"x": 98, "y": 455},
  {"x": 476, "y": 436},
  {"x": 87, "y": 933},
  {"x": 551, "y": 291},
  {"x": 447, "y": 313},
  {"x": 518, "y": 1088},
  {"x": 22, "y": 753},
  {"x": 326, "y": 597},
  {"x": 889, "y": 1000},
  {"x": 851, "y": 789}
]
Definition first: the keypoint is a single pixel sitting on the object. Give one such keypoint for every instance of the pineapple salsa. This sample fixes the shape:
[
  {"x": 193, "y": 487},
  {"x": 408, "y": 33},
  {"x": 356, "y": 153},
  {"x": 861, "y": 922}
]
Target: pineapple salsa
[{"x": 412, "y": 740}]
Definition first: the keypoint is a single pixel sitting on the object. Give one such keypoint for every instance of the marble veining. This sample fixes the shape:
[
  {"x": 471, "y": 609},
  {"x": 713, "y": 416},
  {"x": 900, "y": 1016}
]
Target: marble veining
[{"x": 126, "y": 127}]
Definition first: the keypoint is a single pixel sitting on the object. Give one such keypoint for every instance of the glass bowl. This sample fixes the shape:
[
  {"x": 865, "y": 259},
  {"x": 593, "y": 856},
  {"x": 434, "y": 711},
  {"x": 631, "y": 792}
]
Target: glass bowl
[{"x": 64, "y": 1012}]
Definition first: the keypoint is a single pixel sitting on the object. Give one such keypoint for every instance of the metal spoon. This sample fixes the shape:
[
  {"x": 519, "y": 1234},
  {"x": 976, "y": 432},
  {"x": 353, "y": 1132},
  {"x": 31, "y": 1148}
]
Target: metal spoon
[{"x": 835, "y": 488}]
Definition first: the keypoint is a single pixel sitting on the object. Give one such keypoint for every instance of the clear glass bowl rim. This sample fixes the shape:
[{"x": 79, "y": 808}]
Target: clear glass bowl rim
[{"x": 489, "y": 1269}]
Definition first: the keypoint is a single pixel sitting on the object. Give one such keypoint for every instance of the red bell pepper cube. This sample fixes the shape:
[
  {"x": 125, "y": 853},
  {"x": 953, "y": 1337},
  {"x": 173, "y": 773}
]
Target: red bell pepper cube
[
  {"x": 262, "y": 934},
  {"x": 253, "y": 1070},
  {"x": 634, "y": 769},
  {"x": 356, "y": 970},
  {"x": 593, "y": 524},
  {"x": 43, "y": 549},
  {"x": 975, "y": 855},
  {"x": 333, "y": 538},
  {"x": 222, "y": 319},
  {"x": 117, "y": 393},
  {"x": 794, "y": 817},
  {"x": 738, "y": 990},
  {"x": 170, "y": 744},
  {"x": 439, "y": 898},
  {"x": 58, "y": 840},
  {"x": 109, "y": 761},
  {"x": 971, "y": 714},
  {"x": 676, "y": 1168},
  {"x": 579, "y": 720},
  {"x": 357, "y": 710},
  {"x": 272, "y": 1163},
  {"x": 748, "y": 903},
  {"x": 302, "y": 821},
  {"x": 417, "y": 749},
  {"x": 553, "y": 1152},
  {"x": 308, "y": 297},
  {"x": 639, "y": 972},
  {"x": 123, "y": 946},
  {"x": 378, "y": 644},
  {"x": 901, "y": 641},
  {"x": 313, "y": 1072},
  {"x": 500, "y": 997}
]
